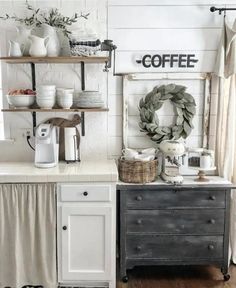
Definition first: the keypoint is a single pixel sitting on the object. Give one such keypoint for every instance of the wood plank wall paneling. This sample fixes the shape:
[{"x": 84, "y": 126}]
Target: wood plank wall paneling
[{"x": 139, "y": 27}]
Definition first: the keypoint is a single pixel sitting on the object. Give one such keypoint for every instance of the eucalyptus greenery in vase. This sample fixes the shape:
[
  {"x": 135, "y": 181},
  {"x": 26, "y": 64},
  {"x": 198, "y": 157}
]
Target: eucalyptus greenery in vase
[{"x": 50, "y": 20}]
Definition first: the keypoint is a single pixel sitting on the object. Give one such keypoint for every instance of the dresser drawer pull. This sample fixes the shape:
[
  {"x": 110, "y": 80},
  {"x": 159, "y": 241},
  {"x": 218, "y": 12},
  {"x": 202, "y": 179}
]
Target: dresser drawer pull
[
  {"x": 64, "y": 227},
  {"x": 139, "y": 198},
  {"x": 85, "y": 193},
  {"x": 138, "y": 248},
  {"x": 139, "y": 221},
  {"x": 212, "y": 221},
  {"x": 211, "y": 247},
  {"x": 212, "y": 197}
]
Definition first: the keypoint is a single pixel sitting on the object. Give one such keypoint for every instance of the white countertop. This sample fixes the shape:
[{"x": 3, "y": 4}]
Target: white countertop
[{"x": 87, "y": 171}]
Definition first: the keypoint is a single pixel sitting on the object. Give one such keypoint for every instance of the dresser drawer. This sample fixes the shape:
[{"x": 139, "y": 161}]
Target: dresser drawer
[
  {"x": 174, "y": 247},
  {"x": 84, "y": 193},
  {"x": 210, "y": 221},
  {"x": 158, "y": 199}
]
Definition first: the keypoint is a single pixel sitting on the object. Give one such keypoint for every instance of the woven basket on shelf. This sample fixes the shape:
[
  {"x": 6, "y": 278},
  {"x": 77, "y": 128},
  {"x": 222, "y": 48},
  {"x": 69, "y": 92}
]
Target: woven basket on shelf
[{"x": 134, "y": 171}]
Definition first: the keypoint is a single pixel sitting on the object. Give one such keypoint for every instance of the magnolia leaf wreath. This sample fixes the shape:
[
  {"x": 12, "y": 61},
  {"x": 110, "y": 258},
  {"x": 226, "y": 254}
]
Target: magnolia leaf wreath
[{"x": 184, "y": 104}]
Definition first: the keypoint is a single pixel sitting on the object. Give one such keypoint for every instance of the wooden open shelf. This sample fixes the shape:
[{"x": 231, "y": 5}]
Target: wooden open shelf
[
  {"x": 60, "y": 59},
  {"x": 56, "y": 110}
]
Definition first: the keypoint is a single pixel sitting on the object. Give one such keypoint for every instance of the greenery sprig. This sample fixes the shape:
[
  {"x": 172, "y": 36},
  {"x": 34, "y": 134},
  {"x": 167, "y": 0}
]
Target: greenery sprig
[{"x": 52, "y": 17}]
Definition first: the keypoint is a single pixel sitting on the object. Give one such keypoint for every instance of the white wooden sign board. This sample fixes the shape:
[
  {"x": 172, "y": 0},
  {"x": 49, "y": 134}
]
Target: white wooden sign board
[{"x": 137, "y": 85}]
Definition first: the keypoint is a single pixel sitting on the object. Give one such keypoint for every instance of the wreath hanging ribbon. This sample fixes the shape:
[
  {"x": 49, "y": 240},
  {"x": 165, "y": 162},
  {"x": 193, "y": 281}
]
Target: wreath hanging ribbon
[{"x": 185, "y": 107}]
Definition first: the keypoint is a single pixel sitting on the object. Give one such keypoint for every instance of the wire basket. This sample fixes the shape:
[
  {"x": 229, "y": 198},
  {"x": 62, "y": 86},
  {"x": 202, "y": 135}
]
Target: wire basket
[{"x": 136, "y": 171}]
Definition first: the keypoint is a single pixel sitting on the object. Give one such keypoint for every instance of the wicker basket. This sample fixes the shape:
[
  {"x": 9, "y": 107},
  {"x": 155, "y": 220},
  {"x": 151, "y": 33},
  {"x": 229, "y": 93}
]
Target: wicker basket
[{"x": 134, "y": 171}]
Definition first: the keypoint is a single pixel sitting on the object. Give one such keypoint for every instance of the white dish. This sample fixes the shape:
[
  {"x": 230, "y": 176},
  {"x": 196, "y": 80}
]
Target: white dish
[
  {"x": 46, "y": 94},
  {"x": 46, "y": 87},
  {"x": 45, "y": 103},
  {"x": 21, "y": 101}
]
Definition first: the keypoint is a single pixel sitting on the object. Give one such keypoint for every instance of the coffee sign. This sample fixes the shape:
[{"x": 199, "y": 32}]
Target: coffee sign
[{"x": 168, "y": 60}]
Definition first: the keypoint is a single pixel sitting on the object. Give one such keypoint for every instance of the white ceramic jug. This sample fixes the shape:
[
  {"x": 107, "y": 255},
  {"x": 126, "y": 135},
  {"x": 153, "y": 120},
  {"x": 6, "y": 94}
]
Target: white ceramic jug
[
  {"x": 38, "y": 47},
  {"x": 22, "y": 38},
  {"x": 53, "y": 46},
  {"x": 15, "y": 49}
]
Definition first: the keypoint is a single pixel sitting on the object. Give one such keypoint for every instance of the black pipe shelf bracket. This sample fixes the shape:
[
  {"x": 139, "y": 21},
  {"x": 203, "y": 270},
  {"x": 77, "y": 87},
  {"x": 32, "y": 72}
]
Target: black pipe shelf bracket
[
  {"x": 34, "y": 122},
  {"x": 220, "y": 10}
]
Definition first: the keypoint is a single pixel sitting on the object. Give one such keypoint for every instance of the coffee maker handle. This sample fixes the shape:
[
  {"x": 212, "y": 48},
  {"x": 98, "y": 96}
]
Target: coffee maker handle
[{"x": 76, "y": 139}]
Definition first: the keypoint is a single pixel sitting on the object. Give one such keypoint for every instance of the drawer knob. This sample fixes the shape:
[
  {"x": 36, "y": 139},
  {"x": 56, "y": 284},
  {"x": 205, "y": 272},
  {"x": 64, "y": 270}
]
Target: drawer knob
[
  {"x": 212, "y": 221},
  {"x": 139, "y": 198},
  {"x": 138, "y": 248},
  {"x": 139, "y": 221},
  {"x": 85, "y": 193},
  {"x": 211, "y": 247},
  {"x": 64, "y": 227},
  {"x": 212, "y": 197}
]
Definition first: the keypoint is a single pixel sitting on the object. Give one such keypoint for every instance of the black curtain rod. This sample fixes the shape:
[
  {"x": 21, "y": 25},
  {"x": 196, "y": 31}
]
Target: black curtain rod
[{"x": 214, "y": 9}]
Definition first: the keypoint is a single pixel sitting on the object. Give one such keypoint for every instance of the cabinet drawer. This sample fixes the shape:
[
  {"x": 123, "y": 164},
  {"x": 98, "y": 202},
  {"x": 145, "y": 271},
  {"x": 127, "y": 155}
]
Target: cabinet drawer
[
  {"x": 85, "y": 193},
  {"x": 210, "y": 221},
  {"x": 158, "y": 199},
  {"x": 174, "y": 247}
]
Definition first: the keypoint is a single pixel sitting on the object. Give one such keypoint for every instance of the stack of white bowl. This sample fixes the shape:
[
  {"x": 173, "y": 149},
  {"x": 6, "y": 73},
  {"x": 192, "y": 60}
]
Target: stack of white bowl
[
  {"x": 89, "y": 99},
  {"x": 46, "y": 96},
  {"x": 65, "y": 97}
]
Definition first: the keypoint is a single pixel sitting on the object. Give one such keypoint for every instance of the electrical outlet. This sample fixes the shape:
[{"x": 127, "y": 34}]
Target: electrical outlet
[{"x": 26, "y": 132}]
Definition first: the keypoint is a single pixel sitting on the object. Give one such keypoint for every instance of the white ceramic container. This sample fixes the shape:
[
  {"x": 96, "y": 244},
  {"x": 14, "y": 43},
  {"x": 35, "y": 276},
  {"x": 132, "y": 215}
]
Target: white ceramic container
[
  {"x": 45, "y": 103},
  {"x": 22, "y": 38},
  {"x": 38, "y": 47},
  {"x": 21, "y": 101},
  {"x": 53, "y": 45}
]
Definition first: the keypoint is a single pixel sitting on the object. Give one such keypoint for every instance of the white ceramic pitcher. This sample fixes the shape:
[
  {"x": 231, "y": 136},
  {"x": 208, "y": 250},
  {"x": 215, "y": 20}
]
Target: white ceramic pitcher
[
  {"x": 15, "y": 49},
  {"x": 53, "y": 47},
  {"x": 23, "y": 34},
  {"x": 38, "y": 47}
]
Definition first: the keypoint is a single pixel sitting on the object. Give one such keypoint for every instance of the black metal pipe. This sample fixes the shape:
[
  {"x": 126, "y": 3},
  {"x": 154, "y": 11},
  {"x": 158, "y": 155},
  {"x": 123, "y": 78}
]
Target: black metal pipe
[
  {"x": 214, "y": 9},
  {"x": 33, "y": 76},
  {"x": 82, "y": 76},
  {"x": 34, "y": 122}
]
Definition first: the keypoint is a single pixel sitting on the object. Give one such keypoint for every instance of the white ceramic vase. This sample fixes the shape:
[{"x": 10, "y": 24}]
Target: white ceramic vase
[
  {"x": 15, "y": 49},
  {"x": 22, "y": 38},
  {"x": 53, "y": 46},
  {"x": 38, "y": 47}
]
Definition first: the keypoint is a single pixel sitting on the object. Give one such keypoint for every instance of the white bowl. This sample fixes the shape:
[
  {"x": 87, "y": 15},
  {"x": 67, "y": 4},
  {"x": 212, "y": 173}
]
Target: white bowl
[
  {"x": 46, "y": 94},
  {"x": 46, "y": 97},
  {"x": 45, "y": 103},
  {"x": 21, "y": 101},
  {"x": 65, "y": 103},
  {"x": 63, "y": 91},
  {"x": 46, "y": 88}
]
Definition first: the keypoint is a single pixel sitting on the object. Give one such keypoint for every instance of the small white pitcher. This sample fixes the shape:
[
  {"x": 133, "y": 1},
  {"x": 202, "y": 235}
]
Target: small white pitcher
[
  {"x": 38, "y": 47},
  {"x": 15, "y": 49}
]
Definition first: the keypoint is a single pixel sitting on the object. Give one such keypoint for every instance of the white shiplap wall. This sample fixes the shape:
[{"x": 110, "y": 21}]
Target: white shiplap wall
[{"x": 142, "y": 27}]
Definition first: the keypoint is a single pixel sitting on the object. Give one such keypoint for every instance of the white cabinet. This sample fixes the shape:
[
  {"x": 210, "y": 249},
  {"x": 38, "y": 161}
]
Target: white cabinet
[{"x": 86, "y": 234}]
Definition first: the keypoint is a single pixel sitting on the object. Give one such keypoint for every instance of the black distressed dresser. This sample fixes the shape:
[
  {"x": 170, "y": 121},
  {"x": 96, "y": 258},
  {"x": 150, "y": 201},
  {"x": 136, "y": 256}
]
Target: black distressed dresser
[{"x": 174, "y": 225}]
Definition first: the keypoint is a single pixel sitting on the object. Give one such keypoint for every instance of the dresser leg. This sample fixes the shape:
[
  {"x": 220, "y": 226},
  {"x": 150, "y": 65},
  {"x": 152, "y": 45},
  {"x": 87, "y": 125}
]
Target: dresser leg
[
  {"x": 125, "y": 279},
  {"x": 224, "y": 271}
]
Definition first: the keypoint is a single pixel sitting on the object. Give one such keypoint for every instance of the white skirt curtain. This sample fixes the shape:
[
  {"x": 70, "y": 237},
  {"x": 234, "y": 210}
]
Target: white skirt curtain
[
  {"x": 27, "y": 235},
  {"x": 225, "y": 139}
]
